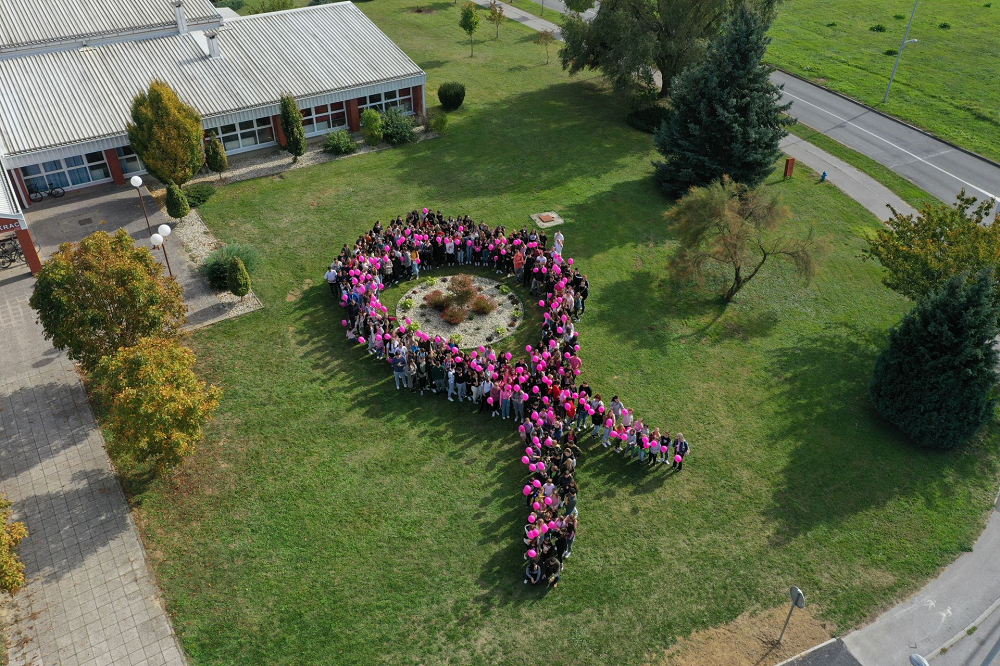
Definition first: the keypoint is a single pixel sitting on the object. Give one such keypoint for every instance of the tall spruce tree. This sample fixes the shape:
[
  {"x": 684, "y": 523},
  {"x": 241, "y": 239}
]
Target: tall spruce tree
[
  {"x": 291, "y": 126},
  {"x": 936, "y": 379},
  {"x": 724, "y": 116}
]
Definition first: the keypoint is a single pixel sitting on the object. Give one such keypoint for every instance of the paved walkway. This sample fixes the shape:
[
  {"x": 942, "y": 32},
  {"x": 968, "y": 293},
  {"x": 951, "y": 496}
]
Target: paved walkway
[{"x": 90, "y": 598}]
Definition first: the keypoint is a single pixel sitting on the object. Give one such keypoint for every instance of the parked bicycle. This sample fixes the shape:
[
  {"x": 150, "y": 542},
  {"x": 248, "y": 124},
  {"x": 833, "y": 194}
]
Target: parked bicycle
[
  {"x": 10, "y": 252},
  {"x": 36, "y": 193}
]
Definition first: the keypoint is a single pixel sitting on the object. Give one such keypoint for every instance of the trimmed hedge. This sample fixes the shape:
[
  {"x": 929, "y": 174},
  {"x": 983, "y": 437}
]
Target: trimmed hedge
[
  {"x": 451, "y": 94},
  {"x": 198, "y": 193}
]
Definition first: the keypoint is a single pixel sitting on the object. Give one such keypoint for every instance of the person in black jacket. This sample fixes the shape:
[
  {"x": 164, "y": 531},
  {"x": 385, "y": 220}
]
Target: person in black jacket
[
  {"x": 552, "y": 571},
  {"x": 681, "y": 449}
]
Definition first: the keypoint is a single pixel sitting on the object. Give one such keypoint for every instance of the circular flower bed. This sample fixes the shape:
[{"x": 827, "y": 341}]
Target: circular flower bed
[{"x": 470, "y": 309}]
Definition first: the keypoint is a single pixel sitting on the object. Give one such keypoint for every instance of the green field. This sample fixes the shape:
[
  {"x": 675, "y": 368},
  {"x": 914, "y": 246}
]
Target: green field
[
  {"x": 946, "y": 82},
  {"x": 329, "y": 519}
]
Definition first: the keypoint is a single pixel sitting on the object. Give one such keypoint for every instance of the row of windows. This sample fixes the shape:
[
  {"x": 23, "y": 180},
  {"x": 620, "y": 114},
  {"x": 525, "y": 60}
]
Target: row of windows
[
  {"x": 67, "y": 172},
  {"x": 320, "y": 119},
  {"x": 382, "y": 101},
  {"x": 245, "y": 134}
]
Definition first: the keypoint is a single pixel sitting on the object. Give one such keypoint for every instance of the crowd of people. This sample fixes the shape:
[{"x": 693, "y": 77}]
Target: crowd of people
[{"x": 541, "y": 392}]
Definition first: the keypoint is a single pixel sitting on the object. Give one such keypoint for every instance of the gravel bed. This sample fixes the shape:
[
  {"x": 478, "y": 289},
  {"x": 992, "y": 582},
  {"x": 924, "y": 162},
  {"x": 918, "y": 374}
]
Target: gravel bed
[{"x": 475, "y": 331}]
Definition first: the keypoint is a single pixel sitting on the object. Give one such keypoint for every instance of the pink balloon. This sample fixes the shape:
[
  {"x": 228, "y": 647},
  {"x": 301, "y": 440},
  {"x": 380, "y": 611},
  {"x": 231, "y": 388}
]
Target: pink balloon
[
  {"x": 532, "y": 553},
  {"x": 531, "y": 466},
  {"x": 677, "y": 459},
  {"x": 532, "y": 519},
  {"x": 525, "y": 460},
  {"x": 343, "y": 322},
  {"x": 527, "y": 348},
  {"x": 609, "y": 423},
  {"x": 536, "y": 506},
  {"x": 526, "y": 490},
  {"x": 361, "y": 340},
  {"x": 536, "y": 483},
  {"x": 541, "y": 304}
]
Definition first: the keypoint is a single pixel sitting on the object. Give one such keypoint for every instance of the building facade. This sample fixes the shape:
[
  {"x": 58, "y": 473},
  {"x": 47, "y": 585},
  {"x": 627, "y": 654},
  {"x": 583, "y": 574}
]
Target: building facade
[{"x": 65, "y": 94}]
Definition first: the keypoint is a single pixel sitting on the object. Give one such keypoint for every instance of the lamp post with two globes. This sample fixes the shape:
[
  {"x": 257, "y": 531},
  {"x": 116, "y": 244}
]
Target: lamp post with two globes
[{"x": 159, "y": 240}]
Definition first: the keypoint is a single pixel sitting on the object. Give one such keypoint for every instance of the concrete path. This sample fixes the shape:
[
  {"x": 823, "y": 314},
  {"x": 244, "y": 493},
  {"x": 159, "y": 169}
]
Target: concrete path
[
  {"x": 525, "y": 18},
  {"x": 90, "y": 598},
  {"x": 855, "y": 183}
]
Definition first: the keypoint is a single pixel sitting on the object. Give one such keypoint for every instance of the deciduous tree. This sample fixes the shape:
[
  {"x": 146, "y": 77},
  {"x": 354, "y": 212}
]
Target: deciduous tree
[
  {"x": 469, "y": 22},
  {"x": 154, "y": 404},
  {"x": 936, "y": 379},
  {"x": 291, "y": 127},
  {"x": 103, "y": 293},
  {"x": 165, "y": 134},
  {"x": 731, "y": 224},
  {"x": 11, "y": 534},
  {"x": 628, "y": 41},
  {"x": 544, "y": 38},
  {"x": 921, "y": 253},
  {"x": 496, "y": 16},
  {"x": 724, "y": 115}
]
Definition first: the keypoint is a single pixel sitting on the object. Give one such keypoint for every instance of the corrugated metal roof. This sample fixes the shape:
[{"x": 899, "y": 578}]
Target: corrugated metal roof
[
  {"x": 25, "y": 22},
  {"x": 8, "y": 203},
  {"x": 68, "y": 97}
]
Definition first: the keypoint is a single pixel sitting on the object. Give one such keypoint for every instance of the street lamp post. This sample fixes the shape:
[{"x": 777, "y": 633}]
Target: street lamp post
[
  {"x": 906, "y": 41},
  {"x": 159, "y": 240},
  {"x": 798, "y": 601},
  {"x": 137, "y": 183},
  {"x": 917, "y": 660}
]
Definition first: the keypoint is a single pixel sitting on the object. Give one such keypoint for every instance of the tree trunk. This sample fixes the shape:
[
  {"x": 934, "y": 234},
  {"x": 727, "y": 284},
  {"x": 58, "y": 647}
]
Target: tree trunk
[
  {"x": 472, "y": 47},
  {"x": 738, "y": 283}
]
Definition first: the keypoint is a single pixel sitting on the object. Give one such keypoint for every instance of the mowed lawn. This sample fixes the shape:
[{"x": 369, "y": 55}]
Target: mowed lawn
[
  {"x": 946, "y": 82},
  {"x": 329, "y": 519}
]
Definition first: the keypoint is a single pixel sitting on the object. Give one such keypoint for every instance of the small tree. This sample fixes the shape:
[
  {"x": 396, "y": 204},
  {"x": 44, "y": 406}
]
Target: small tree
[
  {"x": 154, "y": 404},
  {"x": 371, "y": 126},
  {"x": 921, "y": 253},
  {"x": 496, "y": 16},
  {"x": 291, "y": 127},
  {"x": 936, "y": 379},
  {"x": 215, "y": 155},
  {"x": 177, "y": 203},
  {"x": 11, "y": 534},
  {"x": 104, "y": 293},
  {"x": 724, "y": 115},
  {"x": 740, "y": 227},
  {"x": 544, "y": 38},
  {"x": 165, "y": 134},
  {"x": 237, "y": 278},
  {"x": 469, "y": 22}
]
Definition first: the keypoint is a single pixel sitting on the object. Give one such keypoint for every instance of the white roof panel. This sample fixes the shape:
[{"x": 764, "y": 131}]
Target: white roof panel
[
  {"x": 33, "y": 22},
  {"x": 68, "y": 97}
]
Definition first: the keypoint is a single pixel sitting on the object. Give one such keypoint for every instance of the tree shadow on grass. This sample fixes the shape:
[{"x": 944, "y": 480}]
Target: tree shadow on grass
[{"x": 846, "y": 459}]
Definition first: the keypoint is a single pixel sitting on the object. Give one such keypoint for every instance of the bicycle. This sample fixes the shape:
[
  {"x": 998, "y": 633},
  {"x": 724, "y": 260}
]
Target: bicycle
[
  {"x": 36, "y": 193},
  {"x": 10, "y": 252}
]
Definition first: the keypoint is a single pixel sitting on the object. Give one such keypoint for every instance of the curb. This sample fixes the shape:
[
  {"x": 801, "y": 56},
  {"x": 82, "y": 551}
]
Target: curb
[
  {"x": 896, "y": 120},
  {"x": 965, "y": 632},
  {"x": 802, "y": 654}
]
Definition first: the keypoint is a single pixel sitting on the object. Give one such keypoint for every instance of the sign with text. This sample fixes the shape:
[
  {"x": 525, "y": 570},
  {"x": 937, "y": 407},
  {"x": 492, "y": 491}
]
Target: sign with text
[{"x": 11, "y": 225}]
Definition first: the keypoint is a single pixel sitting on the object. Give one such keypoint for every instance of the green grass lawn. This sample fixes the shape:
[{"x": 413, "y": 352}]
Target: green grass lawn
[
  {"x": 329, "y": 519},
  {"x": 945, "y": 82}
]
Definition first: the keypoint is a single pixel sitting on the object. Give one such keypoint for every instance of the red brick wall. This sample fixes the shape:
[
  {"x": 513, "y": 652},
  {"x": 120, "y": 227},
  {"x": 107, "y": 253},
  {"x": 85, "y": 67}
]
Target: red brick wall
[
  {"x": 279, "y": 134},
  {"x": 115, "y": 165},
  {"x": 353, "y": 115},
  {"x": 418, "y": 100}
]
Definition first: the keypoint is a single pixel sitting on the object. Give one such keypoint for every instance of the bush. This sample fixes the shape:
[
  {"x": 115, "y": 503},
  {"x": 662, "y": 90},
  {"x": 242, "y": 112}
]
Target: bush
[
  {"x": 504, "y": 289},
  {"x": 944, "y": 26},
  {"x": 648, "y": 119},
  {"x": 899, "y": 17},
  {"x": 438, "y": 122},
  {"x": 891, "y": 52},
  {"x": 408, "y": 304},
  {"x": 237, "y": 278},
  {"x": 340, "y": 143},
  {"x": 483, "y": 305},
  {"x": 397, "y": 129},
  {"x": 371, "y": 126},
  {"x": 177, "y": 203},
  {"x": 438, "y": 300},
  {"x": 451, "y": 94},
  {"x": 878, "y": 27},
  {"x": 500, "y": 330},
  {"x": 462, "y": 289},
  {"x": 216, "y": 265},
  {"x": 235, "y": 5},
  {"x": 11, "y": 534},
  {"x": 832, "y": 24},
  {"x": 936, "y": 378},
  {"x": 455, "y": 314},
  {"x": 198, "y": 193}
]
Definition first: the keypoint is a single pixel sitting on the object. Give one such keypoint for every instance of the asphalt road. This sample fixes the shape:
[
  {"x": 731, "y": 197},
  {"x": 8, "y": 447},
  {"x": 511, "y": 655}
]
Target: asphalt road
[
  {"x": 932, "y": 164},
  {"x": 831, "y": 654}
]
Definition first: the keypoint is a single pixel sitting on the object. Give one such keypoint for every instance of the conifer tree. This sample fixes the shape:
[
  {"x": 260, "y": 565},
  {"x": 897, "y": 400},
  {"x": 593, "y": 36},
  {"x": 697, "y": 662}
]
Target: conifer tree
[
  {"x": 237, "y": 278},
  {"x": 936, "y": 379},
  {"x": 215, "y": 155},
  {"x": 291, "y": 126},
  {"x": 724, "y": 115},
  {"x": 177, "y": 203}
]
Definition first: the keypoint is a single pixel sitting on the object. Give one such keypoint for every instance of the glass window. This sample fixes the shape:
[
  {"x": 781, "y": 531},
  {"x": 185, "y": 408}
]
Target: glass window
[
  {"x": 228, "y": 129},
  {"x": 248, "y": 139},
  {"x": 390, "y": 94},
  {"x": 264, "y": 122},
  {"x": 32, "y": 170},
  {"x": 306, "y": 113},
  {"x": 128, "y": 160},
  {"x": 57, "y": 179},
  {"x": 94, "y": 158},
  {"x": 337, "y": 106},
  {"x": 246, "y": 125},
  {"x": 338, "y": 120},
  {"x": 323, "y": 124},
  {"x": 231, "y": 142},
  {"x": 54, "y": 165},
  {"x": 79, "y": 176},
  {"x": 375, "y": 99},
  {"x": 36, "y": 184},
  {"x": 75, "y": 161},
  {"x": 265, "y": 134},
  {"x": 406, "y": 105},
  {"x": 100, "y": 171}
]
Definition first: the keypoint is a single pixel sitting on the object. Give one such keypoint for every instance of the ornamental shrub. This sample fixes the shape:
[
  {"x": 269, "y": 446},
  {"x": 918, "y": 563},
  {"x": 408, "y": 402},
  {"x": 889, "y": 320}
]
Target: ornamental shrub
[
  {"x": 177, "y": 203},
  {"x": 198, "y": 193},
  {"x": 340, "y": 143},
  {"x": 648, "y": 119},
  {"x": 371, "y": 126},
  {"x": 462, "y": 289},
  {"x": 215, "y": 156},
  {"x": 216, "y": 265},
  {"x": 237, "y": 278},
  {"x": 397, "y": 129},
  {"x": 878, "y": 27},
  {"x": 483, "y": 305},
  {"x": 455, "y": 314},
  {"x": 438, "y": 300},
  {"x": 438, "y": 122},
  {"x": 11, "y": 534},
  {"x": 451, "y": 94},
  {"x": 936, "y": 379}
]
